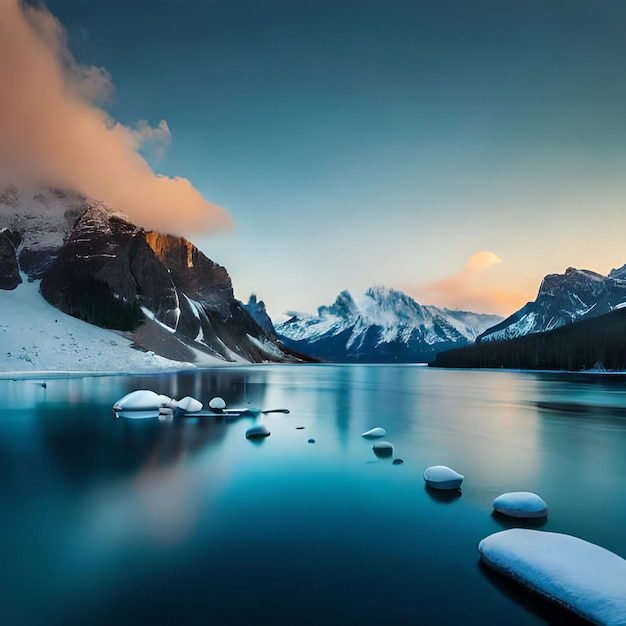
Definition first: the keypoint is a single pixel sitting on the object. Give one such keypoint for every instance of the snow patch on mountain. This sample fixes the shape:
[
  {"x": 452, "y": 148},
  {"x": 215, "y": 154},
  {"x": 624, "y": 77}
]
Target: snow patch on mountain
[{"x": 36, "y": 337}]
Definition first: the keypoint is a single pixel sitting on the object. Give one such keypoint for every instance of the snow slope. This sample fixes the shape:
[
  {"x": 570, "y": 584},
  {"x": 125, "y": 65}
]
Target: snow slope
[{"x": 36, "y": 337}]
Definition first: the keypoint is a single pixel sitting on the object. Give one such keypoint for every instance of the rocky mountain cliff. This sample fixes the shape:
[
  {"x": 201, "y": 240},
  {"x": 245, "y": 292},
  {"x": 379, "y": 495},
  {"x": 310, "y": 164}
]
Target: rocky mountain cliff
[
  {"x": 97, "y": 266},
  {"x": 563, "y": 299},
  {"x": 384, "y": 326}
]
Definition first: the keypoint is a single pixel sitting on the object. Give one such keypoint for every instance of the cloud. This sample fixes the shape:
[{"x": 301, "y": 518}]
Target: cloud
[
  {"x": 154, "y": 141},
  {"x": 471, "y": 288},
  {"x": 53, "y": 132}
]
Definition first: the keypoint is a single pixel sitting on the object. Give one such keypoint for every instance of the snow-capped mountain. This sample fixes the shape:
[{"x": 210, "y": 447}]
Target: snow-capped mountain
[
  {"x": 563, "y": 299},
  {"x": 95, "y": 265},
  {"x": 384, "y": 325}
]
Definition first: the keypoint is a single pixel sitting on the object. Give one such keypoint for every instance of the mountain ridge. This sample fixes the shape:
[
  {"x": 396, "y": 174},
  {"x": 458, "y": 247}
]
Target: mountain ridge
[
  {"x": 384, "y": 325},
  {"x": 96, "y": 265}
]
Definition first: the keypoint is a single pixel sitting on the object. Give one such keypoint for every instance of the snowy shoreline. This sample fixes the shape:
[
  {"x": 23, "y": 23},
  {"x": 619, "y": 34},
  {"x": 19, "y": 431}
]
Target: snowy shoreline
[{"x": 36, "y": 339}]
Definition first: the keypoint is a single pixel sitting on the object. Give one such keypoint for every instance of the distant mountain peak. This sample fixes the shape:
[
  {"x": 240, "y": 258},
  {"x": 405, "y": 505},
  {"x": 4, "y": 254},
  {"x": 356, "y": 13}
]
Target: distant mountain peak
[{"x": 383, "y": 325}]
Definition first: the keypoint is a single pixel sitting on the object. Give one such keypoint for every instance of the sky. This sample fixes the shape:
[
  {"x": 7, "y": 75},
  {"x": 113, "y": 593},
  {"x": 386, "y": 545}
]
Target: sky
[{"x": 458, "y": 150}]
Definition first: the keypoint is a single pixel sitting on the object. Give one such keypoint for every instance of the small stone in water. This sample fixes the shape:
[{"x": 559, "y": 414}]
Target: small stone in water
[
  {"x": 299, "y": 427},
  {"x": 311, "y": 441},
  {"x": 397, "y": 462}
]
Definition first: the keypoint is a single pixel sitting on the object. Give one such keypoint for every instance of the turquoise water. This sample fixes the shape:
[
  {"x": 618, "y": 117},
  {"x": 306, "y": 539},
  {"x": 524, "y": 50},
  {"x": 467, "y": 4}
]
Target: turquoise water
[{"x": 107, "y": 521}]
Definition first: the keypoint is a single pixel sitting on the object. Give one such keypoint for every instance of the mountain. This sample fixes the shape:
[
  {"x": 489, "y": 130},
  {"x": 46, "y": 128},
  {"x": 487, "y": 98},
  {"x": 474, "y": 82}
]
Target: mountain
[
  {"x": 596, "y": 343},
  {"x": 256, "y": 310},
  {"x": 384, "y": 326},
  {"x": 97, "y": 266},
  {"x": 563, "y": 299}
]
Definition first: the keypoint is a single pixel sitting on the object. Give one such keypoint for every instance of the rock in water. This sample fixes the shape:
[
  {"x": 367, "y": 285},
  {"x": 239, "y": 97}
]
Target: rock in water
[
  {"x": 374, "y": 433},
  {"x": 581, "y": 576},
  {"x": 382, "y": 449},
  {"x": 257, "y": 431},
  {"x": 520, "y": 504},
  {"x": 442, "y": 477}
]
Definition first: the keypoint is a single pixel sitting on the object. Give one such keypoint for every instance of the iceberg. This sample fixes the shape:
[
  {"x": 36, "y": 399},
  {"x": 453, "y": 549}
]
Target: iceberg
[
  {"x": 520, "y": 504},
  {"x": 581, "y": 576},
  {"x": 442, "y": 477}
]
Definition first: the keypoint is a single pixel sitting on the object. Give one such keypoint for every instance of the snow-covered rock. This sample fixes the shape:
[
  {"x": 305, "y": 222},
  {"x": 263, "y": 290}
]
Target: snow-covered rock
[
  {"x": 217, "y": 404},
  {"x": 189, "y": 404},
  {"x": 581, "y": 576},
  {"x": 520, "y": 504},
  {"x": 442, "y": 477},
  {"x": 141, "y": 400},
  {"x": 374, "y": 433}
]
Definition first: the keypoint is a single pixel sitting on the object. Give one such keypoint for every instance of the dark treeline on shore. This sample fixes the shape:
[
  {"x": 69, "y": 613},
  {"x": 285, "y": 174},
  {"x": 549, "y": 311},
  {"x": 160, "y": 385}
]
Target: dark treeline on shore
[{"x": 598, "y": 343}]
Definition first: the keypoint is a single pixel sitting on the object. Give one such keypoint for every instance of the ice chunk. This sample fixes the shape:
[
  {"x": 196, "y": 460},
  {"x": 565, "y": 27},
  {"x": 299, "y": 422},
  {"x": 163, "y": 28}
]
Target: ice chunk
[
  {"x": 520, "y": 504},
  {"x": 189, "y": 404},
  {"x": 442, "y": 477},
  {"x": 140, "y": 400},
  {"x": 217, "y": 404},
  {"x": 374, "y": 433},
  {"x": 583, "y": 577}
]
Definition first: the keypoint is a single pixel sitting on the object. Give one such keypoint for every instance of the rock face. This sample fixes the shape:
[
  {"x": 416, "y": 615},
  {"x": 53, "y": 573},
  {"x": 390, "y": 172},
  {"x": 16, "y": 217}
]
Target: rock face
[
  {"x": 256, "y": 309},
  {"x": 563, "y": 299},
  {"x": 9, "y": 268},
  {"x": 383, "y": 326},
  {"x": 97, "y": 266}
]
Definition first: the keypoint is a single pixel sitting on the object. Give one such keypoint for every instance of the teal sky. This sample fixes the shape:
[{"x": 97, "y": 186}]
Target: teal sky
[{"x": 381, "y": 142}]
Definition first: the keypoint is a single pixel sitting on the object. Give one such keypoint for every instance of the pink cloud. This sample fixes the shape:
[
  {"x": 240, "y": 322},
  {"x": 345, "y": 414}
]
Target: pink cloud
[
  {"x": 471, "y": 288},
  {"x": 53, "y": 132}
]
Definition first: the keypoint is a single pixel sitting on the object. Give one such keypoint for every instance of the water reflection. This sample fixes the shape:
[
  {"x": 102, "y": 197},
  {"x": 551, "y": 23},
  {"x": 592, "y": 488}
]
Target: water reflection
[
  {"x": 441, "y": 495},
  {"x": 166, "y": 505}
]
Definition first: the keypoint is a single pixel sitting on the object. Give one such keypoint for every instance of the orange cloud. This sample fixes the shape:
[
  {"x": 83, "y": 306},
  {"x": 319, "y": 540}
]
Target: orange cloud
[
  {"x": 53, "y": 133},
  {"x": 470, "y": 289}
]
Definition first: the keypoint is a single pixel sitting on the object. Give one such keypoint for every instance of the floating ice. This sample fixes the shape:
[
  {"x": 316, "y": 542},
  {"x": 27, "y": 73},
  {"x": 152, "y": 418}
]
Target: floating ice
[
  {"x": 189, "y": 404},
  {"x": 442, "y": 477},
  {"x": 583, "y": 577},
  {"x": 374, "y": 433},
  {"x": 383, "y": 448},
  {"x": 140, "y": 400},
  {"x": 145, "y": 403},
  {"x": 217, "y": 404},
  {"x": 520, "y": 504}
]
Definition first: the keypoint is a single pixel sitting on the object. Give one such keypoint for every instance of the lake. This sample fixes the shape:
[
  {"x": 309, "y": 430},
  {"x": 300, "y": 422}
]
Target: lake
[{"x": 119, "y": 521}]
